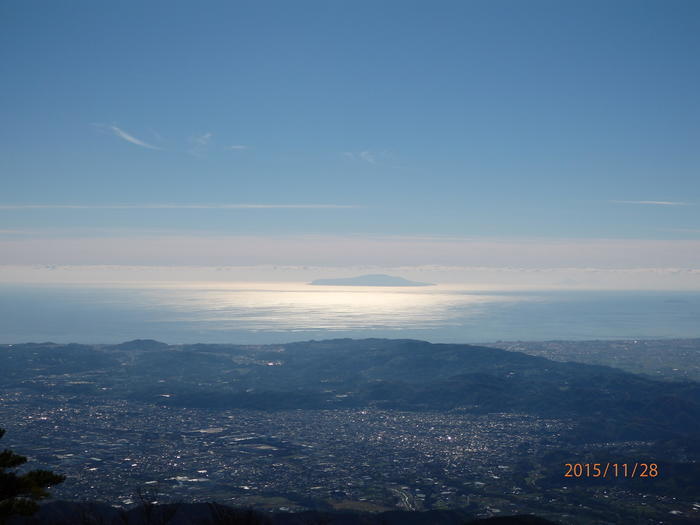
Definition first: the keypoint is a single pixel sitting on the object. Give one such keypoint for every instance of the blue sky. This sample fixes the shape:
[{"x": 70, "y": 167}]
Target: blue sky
[{"x": 501, "y": 120}]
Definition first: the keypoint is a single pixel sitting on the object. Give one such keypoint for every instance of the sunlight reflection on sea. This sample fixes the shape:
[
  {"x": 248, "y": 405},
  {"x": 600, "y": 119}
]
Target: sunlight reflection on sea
[
  {"x": 276, "y": 306},
  {"x": 257, "y": 313}
]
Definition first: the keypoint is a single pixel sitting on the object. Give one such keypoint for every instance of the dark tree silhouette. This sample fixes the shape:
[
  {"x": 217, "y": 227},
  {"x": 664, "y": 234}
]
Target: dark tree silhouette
[
  {"x": 222, "y": 515},
  {"x": 19, "y": 493}
]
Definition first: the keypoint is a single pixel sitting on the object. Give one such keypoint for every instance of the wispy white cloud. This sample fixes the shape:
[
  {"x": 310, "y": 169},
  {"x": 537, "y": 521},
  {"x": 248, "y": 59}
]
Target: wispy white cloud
[
  {"x": 202, "y": 139},
  {"x": 171, "y": 206},
  {"x": 366, "y": 156},
  {"x": 130, "y": 138},
  {"x": 653, "y": 203},
  {"x": 238, "y": 147},
  {"x": 199, "y": 143}
]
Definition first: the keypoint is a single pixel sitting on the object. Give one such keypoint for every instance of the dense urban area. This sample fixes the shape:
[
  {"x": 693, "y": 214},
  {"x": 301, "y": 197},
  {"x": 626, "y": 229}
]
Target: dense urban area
[{"x": 368, "y": 458}]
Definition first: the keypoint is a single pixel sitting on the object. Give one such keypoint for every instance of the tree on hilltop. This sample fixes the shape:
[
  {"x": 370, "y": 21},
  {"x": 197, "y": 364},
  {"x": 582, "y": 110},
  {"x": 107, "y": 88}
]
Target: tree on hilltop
[{"x": 19, "y": 493}]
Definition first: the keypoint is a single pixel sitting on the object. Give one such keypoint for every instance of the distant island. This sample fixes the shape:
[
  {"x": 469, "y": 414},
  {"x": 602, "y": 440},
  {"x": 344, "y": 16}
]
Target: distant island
[{"x": 377, "y": 279}]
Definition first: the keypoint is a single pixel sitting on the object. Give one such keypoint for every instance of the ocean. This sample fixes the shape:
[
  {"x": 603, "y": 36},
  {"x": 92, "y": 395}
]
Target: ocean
[{"x": 259, "y": 313}]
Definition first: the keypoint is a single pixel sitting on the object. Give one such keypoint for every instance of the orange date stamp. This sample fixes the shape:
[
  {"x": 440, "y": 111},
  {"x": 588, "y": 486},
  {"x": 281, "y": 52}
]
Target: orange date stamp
[{"x": 611, "y": 470}]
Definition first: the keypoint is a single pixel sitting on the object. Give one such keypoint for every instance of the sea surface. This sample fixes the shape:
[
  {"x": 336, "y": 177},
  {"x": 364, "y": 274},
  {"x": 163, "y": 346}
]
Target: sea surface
[{"x": 283, "y": 312}]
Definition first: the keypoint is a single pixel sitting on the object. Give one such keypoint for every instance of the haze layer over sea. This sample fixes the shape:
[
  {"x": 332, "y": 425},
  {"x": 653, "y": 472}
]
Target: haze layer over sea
[{"x": 282, "y": 312}]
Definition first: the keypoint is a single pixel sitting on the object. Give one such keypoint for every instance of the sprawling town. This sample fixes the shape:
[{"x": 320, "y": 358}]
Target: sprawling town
[{"x": 345, "y": 459}]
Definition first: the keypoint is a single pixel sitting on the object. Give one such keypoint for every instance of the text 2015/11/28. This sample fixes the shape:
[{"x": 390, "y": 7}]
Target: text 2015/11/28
[{"x": 611, "y": 470}]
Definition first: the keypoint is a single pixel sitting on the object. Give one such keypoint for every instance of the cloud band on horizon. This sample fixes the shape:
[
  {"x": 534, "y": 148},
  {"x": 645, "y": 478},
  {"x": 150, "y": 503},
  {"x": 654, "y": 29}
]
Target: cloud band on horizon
[
  {"x": 331, "y": 250},
  {"x": 175, "y": 206}
]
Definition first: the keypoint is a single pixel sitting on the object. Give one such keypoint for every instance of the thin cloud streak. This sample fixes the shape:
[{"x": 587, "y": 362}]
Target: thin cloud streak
[
  {"x": 199, "y": 144},
  {"x": 329, "y": 250},
  {"x": 130, "y": 138},
  {"x": 175, "y": 206},
  {"x": 679, "y": 230},
  {"x": 654, "y": 203}
]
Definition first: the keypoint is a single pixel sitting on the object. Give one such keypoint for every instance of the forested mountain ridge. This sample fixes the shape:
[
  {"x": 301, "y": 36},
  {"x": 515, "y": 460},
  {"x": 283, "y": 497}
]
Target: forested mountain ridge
[{"x": 384, "y": 373}]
